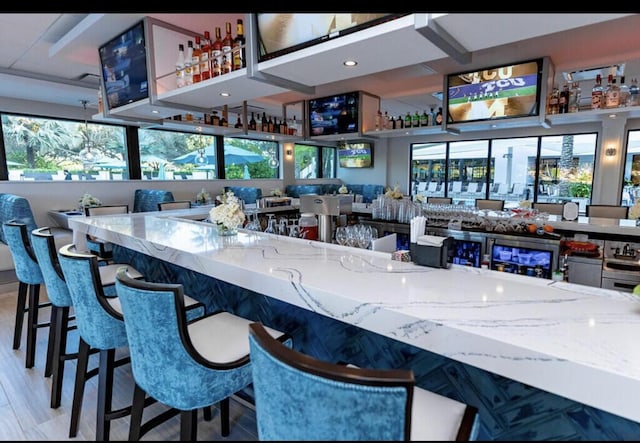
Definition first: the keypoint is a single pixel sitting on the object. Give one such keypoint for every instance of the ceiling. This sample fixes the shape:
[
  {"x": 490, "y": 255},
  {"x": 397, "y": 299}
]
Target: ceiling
[{"x": 53, "y": 58}]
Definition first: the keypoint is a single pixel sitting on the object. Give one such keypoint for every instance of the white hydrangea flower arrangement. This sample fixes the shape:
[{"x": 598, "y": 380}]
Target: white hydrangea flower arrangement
[
  {"x": 203, "y": 196},
  {"x": 634, "y": 211},
  {"x": 343, "y": 190},
  {"x": 88, "y": 200},
  {"x": 229, "y": 213}
]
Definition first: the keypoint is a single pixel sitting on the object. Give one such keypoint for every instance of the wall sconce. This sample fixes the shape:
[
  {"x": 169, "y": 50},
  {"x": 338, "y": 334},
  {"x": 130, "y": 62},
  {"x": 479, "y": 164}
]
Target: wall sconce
[
  {"x": 289, "y": 152},
  {"x": 611, "y": 151}
]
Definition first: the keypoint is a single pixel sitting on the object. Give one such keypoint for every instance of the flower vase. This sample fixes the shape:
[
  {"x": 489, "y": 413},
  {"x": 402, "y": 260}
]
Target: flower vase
[{"x": 225, "y": 231}]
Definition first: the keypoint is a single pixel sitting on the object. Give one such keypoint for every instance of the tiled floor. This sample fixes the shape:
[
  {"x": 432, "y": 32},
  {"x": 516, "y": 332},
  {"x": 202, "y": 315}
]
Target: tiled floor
[{"x": 25, "y": 412}]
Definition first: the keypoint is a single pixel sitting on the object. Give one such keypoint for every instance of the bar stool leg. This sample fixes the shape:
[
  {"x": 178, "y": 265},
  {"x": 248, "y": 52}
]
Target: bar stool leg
[
  {"x": 59, "y": 354},
  {"x": 20, "y": 310},
  {"x": 78, "y": 391},
  {"x": 53, "y": 337},
  {"x": 32, "y": 324}
]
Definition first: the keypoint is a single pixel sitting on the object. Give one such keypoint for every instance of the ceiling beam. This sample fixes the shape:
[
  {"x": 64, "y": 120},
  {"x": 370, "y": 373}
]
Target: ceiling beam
[{"x": 433, "y": 32}]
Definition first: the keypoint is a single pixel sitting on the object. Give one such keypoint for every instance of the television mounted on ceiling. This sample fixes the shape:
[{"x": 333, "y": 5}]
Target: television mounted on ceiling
[
  {"x": 501, "y": 92},
  {"x": 335, "y": 114},
  {"x": 282, "y": 33},
  {"x": 123, "y": 62}
]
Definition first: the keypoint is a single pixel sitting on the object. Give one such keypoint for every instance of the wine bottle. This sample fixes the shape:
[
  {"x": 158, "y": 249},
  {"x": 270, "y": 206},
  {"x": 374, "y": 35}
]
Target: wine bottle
[
  {"x": 265, "y": 123},
  {"x": 239, "y": 42},
  {"x": 252, "y": 123},
  {"x": 238, "y": 122},
  {"x": 205, "y": 56}
]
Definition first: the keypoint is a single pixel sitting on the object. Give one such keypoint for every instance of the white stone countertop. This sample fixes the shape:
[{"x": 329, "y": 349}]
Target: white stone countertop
[{"x": 575, "y": 341}]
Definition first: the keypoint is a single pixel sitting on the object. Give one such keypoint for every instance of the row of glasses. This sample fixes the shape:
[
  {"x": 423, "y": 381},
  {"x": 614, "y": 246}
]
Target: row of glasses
[{"x": 357, "y": 236}]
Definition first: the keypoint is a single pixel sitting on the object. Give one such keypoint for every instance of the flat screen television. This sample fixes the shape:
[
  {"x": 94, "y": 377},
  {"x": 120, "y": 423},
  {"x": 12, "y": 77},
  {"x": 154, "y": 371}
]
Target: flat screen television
[
  {"x": 337, "y": 114},
  {"x": 124, "y": 68},
  {"x": 495, "y": 93},
  {"x": 283, "y": 33},
  {"x": 355, "y": 155}
]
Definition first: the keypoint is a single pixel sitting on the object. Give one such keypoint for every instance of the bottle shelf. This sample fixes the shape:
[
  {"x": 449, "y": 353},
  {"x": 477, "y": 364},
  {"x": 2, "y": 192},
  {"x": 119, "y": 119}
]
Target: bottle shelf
[
  {"x": 593, "y": 115},
  {"x": 405, "y": 132}
]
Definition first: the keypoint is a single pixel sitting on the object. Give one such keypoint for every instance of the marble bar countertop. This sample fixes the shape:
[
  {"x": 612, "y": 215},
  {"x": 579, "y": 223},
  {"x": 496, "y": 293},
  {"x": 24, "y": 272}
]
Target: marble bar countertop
[{"x": 576, "y": 341}]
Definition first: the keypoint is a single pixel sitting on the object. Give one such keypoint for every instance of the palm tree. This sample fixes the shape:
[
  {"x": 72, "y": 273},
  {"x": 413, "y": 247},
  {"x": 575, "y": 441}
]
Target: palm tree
[
  {"x": 565, "y": 164},
  {"x": 35, "y": 137}
]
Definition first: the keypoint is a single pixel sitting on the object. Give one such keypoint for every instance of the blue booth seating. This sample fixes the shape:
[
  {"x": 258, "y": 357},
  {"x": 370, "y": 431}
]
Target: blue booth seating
[
  {"x": 146, "y": 200},
  {"x": 247, "y": 194},
  {"x": 15, "y": 207},
  {"x": 368, "y": 192},
  {"x": 295, "y": 191}
]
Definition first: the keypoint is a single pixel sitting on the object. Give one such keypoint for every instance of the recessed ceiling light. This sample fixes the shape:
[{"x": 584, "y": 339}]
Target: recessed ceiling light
[
  {"x": 350, "y": 63},
  {"x": 155, "y": 111},
  {"x": 225, "y": 94}
]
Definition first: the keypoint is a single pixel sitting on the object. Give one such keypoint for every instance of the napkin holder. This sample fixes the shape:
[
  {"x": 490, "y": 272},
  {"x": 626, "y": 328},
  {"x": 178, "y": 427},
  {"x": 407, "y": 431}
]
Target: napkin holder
[{"x": 432, "y": 256}]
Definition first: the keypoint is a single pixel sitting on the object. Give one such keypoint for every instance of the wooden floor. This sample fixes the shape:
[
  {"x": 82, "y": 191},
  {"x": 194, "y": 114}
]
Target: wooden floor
[{"x": 25, "y": 395}]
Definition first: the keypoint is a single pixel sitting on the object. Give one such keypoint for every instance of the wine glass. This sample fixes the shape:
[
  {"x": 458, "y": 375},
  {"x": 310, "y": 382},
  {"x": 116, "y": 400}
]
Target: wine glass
[
  {"x": 294, "y": 229},
  {"x": 254, "y": 221},
  {"x": 363, "y": 236},
  {"x": 271, "y": 224},
  {"x": 341, "y": 235}
]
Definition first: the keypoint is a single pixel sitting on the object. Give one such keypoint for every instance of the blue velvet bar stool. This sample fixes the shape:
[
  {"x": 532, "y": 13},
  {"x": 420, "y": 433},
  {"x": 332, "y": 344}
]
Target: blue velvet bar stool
[
  {"x": 298, "y": 397},
  {"x": 29, "y": 281},
  {"x": 43, "y": 244},
  {"x": 183, "y": 364},
  {"x": 101, "y": 326}
]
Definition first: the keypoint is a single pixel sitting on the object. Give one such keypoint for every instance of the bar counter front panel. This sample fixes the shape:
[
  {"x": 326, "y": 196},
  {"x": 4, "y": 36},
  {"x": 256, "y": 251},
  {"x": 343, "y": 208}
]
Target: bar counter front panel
[{"x": 573, "y": 341}]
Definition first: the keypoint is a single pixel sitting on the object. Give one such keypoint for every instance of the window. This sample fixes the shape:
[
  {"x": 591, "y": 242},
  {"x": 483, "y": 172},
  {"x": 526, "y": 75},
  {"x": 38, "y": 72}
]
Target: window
[
  {"x": 250, "y": 159},
  {"x": 516, "y": 169},
  {"x": 170, "y": 155},
  {"x": 631, "y": 188},
  {"x": 52, "y": 149},
  {"x": 314, "y": 161}
]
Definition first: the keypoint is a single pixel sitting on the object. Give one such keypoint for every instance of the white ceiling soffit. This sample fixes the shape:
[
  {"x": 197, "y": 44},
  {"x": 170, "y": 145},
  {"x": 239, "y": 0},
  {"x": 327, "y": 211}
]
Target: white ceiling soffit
[
  {"x": 481, "y": 31},
  {"x": 396, "y": 44}
]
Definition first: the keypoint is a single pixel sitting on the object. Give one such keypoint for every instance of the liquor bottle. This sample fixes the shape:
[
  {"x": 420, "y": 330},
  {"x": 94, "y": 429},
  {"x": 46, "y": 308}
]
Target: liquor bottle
[
  {"x": 624, "y": 93},
  {"x": 238, "y": 122},
  {"x": 215, "y": 118},
  {"x": 188, "y": 61},
  {"x": 612, "y": 93},
  {"x": 415, "y": 120},
  {"x": 284, "y": 127},
  {"x": 407, "y": 120},
  {"x": 378, "y": 121},
  {"x": 226, "y": 64},
  {"x": 180, "y": 67},
  {"x": 386, "y": 123},
  {"x": 224, "y": 120},
  {"x": 434, "y": 114},
  {"x": 424, "y": 118},
  {"x": 269, "y": 125},
  {"x": 216, "y": 50},
  {"x": 634, "y": 90},
  {"x": 563, "y": 102},
  {"x": 400, "y": 122},
  {"x": 596, "y": 94},
  {"x": 574, "y": 97},
  {"x": 294, "y": 126},
  {"x": 227, "y": 44},
  {"x": 265, "y": 123},
  {"x": 205, "y": 56},
  {"x": 239, "y": 60},
  {"x": 195, "y": 60},
  {"x": 252, "y": 123},
  {"x": 554, "y": 101},
  {"x": 439, "y": 116},
  {"x": 216, "y": 69}
]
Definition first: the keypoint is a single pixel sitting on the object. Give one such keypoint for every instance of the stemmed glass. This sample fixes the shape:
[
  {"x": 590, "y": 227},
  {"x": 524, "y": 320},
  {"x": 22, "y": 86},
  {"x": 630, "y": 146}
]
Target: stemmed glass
[
  {"x": 341, "y": 235},
  {"x": 363, "y": 236},
  {"x": 294, "y": 229},
  {"x": 254, "y": 221},
  {"x": 271, "y": 224}
]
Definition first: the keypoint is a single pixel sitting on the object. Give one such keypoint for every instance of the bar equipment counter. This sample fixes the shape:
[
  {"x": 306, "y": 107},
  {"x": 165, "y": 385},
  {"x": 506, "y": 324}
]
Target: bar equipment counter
[{"x": 575, "y": 341}]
